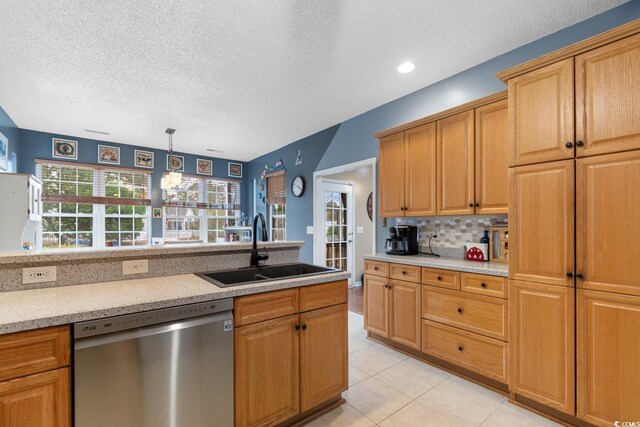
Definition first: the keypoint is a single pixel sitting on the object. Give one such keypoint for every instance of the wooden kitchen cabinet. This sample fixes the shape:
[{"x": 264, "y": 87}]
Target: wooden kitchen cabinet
[
  {"x": 541, "y": 109},
  {"x": 543, "y": 344},
  {"x": 455, "y": 164},
  {"x": 404, "y": 313},
  {"x": 289, "y": 364},
  {"x": 42, "y": 400},
  {"x": 608, "y": 363},
  {"x": 408, "y": 172},
  {"x": 541, "y": 220},
  {"x": 376, "y": 305},
  {"x": 607, "y": 93},
  {"x": 608, "y": 202},
  {"x": 267, "y": 372},
  {"x": 324, "y": 357},
  {"x": 492, "y": 159}
]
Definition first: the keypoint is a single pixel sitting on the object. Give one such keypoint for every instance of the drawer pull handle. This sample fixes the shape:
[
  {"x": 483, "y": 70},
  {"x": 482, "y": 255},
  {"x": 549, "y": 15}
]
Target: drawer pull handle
[
  {"x": 459, "y": 309},
  {"x": 439, "y": 277},
  {"x": 460, "y": 348},
  {"x": 484, "y": 285}
]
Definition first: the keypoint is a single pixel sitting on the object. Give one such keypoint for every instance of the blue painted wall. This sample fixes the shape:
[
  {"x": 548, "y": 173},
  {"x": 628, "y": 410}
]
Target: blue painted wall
[
  {"x": 354, "y": 141},
  {"x": 9, "y": 129},
  {"x": 38, "y": 145},
  {"x": 299, "y": 209}
]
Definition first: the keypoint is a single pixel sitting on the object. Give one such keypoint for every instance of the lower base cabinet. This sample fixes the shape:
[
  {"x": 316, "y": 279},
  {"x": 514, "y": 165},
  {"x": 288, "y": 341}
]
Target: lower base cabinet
[
  {"x": 608, "y": 362},
  {"x": 543, "y": 343},
  {"x": 291, "y": 364}
]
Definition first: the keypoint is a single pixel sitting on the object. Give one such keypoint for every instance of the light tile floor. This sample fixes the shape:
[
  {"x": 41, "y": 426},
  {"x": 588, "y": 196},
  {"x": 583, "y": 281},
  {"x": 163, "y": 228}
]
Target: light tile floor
[{"x": 389, "y": 389}]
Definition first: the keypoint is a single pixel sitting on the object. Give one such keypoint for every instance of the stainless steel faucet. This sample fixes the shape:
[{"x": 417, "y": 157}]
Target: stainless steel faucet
[{"x": 255, "y": 256}]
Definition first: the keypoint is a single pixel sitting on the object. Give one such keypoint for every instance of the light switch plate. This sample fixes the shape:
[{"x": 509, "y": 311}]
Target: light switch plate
[
  {"x": 39, "y": 275},
  {"x": 137, "y": 266},
  {"x": 360, "y": 229},
  {"x": 309, "y": 229}
]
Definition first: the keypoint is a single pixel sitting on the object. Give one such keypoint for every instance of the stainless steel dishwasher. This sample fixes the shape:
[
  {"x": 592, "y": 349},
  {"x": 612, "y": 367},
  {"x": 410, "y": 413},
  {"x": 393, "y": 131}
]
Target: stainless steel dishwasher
[{"x": 171, "y": 367}]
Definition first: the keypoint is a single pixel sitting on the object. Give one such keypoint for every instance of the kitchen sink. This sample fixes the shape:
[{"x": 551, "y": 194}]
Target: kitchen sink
[{"x": 249, "y": 275}]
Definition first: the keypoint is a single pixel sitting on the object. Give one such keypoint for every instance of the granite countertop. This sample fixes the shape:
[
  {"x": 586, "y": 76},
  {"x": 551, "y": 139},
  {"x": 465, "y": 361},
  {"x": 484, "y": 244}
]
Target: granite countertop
[
  {"x": 488, "y": 268},
  {"x": 39, "y": 308},
  {"x": 52, "y": 255}
]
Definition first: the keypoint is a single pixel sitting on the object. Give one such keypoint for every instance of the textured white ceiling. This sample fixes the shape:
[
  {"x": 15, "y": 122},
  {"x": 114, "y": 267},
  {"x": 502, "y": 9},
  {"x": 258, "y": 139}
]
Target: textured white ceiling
[{"x": 245, "y": 77}]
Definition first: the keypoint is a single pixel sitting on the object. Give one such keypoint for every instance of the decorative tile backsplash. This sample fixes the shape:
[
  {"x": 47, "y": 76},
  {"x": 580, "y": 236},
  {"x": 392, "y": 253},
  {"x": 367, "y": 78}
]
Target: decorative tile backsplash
[{"x": 452, "y": 231}]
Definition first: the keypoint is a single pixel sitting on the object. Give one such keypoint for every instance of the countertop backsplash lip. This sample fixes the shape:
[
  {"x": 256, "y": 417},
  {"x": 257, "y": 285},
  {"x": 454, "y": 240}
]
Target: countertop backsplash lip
[
  {"x": 39, "y": 308},
  {"x": 444, "y": 263}
]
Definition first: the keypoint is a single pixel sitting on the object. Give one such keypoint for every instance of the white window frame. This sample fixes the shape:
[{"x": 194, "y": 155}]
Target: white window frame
[{"x": 273, "y": 216}]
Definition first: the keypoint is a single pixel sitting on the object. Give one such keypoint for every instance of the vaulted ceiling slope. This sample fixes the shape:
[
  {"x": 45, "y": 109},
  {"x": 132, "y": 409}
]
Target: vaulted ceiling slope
[{"x": 244, "y": 76}]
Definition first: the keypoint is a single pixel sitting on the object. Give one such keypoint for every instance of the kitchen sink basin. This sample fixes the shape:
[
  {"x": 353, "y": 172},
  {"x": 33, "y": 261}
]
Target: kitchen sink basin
[{"x": 249, "y": 275}]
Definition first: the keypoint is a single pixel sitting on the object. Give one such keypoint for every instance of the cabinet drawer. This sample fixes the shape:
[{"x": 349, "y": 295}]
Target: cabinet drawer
[
  {"x": 408, "y": 273},
  {"x": 484, "y": 285},
  {"x": 269, "y": 305},
  {"x": 376, "y": 268},
  {"x": 475, "y": 352},
  {"x": 26, "y": 353},
  {"x": 323, "y": 295},
  {"x": 474, "y": 313},
  {"x": 441, "y": 278}
]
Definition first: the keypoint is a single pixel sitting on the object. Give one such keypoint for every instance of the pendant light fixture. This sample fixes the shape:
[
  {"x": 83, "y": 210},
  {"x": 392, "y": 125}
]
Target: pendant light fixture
[{"x": 173, "y": 178}]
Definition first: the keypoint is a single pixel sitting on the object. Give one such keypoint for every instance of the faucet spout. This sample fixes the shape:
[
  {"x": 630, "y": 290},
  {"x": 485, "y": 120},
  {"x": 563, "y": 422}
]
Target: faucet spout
[{"x": 255, "y": 257}]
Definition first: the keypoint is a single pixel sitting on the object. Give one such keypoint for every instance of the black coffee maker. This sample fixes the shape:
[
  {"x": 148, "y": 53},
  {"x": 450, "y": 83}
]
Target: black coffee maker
[{"x": 403, "y": 240}]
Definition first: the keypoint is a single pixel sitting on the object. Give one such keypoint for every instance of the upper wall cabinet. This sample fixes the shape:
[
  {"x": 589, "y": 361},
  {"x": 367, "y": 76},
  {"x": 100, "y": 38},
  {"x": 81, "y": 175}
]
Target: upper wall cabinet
[
  {"x": 541, "y": 109},
  {"x": 408, "y": 172},
  {"x": 607, "y": 93},
  {"x": 492, "y": 161},
  {"x": 455, "y": 164},
  {"x": 451, "y": 163}
]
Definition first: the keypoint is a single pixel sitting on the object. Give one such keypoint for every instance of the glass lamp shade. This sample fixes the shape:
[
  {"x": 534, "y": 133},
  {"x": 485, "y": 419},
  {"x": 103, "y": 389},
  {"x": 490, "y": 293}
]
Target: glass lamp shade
[{"x": 171, "y": 180}]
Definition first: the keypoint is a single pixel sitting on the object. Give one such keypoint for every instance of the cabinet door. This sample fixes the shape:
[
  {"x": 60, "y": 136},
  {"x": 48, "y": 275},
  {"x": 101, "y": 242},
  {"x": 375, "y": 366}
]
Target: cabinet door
[
  {"x": 455, "y": 165},
  {"x": 541, "y": 115},
  {"x": 420, "y": 170},
  {"x": 392, "y": 175},
  {"x": 542, "y": 344},
  {"x": 41, "y": 400},
  {"x": 376, "y": 305},
  {"x": 608, "y": 202},
  {"x": 492, "y": 159},
  {"x": 404, "y": 313},
  {"x": 541, "y": 221},
  {"x": 267, "y": 381},
  {"x": 608, "y": 363},
  {"x": 607, "y": 94},
  {"x": 324, "y": 356}
]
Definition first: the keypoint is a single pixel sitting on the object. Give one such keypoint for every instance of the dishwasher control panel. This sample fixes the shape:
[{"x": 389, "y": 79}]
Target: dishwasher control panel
[{"x": 154, "y": 317}]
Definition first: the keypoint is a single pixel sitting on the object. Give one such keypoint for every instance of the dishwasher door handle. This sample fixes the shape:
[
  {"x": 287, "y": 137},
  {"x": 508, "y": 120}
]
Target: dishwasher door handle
[{"x": 147, "y": 331}]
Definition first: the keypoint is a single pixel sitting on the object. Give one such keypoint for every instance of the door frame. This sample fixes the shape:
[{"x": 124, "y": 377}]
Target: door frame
[{"x": 318, "y": 177}]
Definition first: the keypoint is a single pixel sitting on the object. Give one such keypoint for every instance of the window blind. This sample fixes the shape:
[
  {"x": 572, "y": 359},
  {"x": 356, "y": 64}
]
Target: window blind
[
  {"x": 92, "y": 184},
  {"x": 185, "y": 195},
  {"x": 203, "y": 193},
  {"x": 276, "y": 188}
]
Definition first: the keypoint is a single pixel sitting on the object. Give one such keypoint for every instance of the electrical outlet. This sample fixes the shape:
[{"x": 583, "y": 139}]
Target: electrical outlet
[
  {"x": 39, "y": 275},
  {"x": 138, "y": 266}
]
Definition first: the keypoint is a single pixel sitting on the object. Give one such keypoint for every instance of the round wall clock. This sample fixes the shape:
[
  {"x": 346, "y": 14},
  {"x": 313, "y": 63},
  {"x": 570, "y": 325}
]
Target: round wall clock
[{"x": 297, "y": 186}]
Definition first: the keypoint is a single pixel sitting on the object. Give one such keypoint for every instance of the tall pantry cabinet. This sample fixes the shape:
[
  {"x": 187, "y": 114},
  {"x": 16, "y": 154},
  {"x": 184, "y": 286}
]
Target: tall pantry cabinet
[{"x": 574, "y": 200}]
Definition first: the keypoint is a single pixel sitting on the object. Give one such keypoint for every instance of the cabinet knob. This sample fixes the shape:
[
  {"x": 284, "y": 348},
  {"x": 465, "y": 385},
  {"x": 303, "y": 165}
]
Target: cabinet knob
[
  {"x": 579, "y": 276},
  {"x": 404, "y": 272},
  {"x": 470, "y": 205},
  {"x": 569, "y": 144},
  {"x": 570, "y": 274},
  {"x": 297, "y": 327},
  {"x": 579, "y": 143},
  {"x": 304, "y": 327},
  {"x": 460, "y": 348},
  {"x": 439, "y": 277},
  {"x": 389, "y": 286},
  {"x": 375, "y": 268},
  {"x": 484, "y": 285},
  {"x": 477, "y": 205},
  {"x": 459, "y": 309}
]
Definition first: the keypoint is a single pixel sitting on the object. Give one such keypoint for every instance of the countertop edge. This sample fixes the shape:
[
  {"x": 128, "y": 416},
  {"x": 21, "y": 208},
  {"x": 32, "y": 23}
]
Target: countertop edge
[{"x": 489, "y": 269}]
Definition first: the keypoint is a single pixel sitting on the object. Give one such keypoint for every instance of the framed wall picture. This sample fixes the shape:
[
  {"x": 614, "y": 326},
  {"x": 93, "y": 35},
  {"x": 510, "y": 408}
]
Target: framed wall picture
[
  {"x": 205, "y": 167},
  {"x": 108, "y": 155},
  {"x": 4, "y": 153},
  {"x": 157, "y": 213},
  {"x": 64, "y": 148},
  {"x": 176, "y": 161},
  {"x": 235, "y": 170},
  {"x": 143, "y": 159}
]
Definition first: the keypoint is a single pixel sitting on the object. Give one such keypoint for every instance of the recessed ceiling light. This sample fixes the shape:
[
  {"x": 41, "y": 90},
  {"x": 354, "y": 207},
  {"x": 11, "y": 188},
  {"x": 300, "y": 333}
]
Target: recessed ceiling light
[
  {"x": 97, "y": 131},
  {"x": 213, "y": 150},
  {"x": 406, "y": 67}
]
